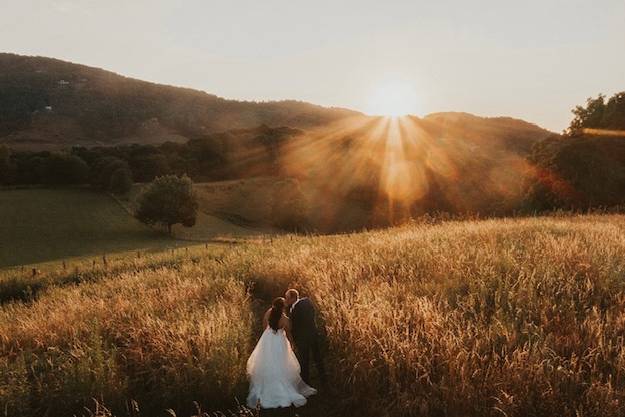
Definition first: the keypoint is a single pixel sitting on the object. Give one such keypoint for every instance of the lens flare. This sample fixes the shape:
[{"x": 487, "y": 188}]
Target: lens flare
[{"x": 385, "y": 170}]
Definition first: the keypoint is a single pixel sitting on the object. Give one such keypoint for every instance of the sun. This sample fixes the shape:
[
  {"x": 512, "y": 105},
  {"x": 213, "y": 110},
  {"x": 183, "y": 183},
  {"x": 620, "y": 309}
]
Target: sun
[{"x": 393, "y": 98}]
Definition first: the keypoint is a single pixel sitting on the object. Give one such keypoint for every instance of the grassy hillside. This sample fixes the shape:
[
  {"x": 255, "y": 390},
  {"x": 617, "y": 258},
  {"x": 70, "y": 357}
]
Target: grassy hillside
[
  {"x": 394, "y": 169},
  {"x": 49, "y": 103},
  {"x": 246, "y": 202},
  {"x": 227, "y": 209},
  {"x": 44, "y": 224},
  {"x": 514, "y": 134},
  {"x": 477, "y": 318},
  {"x": 253, "y": 207}
]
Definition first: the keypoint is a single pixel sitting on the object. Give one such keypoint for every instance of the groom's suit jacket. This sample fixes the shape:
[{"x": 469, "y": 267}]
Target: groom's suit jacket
[{"x": 303, "y": 321}]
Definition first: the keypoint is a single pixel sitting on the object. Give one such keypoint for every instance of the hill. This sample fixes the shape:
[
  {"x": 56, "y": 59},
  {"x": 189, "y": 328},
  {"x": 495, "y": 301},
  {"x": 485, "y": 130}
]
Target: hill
[
  {"x": 513, "y": 134},
  {"x": 354, "y": 171},
  {"x": 513, "y": 317},
  {"x": 41, "y": 225},
  {"x": 49, "y": 103},
  {"x": 230, "y": 209}
]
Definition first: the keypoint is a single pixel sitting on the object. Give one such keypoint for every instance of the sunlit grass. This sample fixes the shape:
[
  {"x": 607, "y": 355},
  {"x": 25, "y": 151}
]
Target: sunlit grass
[
  {"x": 166, "y": 335},
  {"x": 508, "y": 317}
]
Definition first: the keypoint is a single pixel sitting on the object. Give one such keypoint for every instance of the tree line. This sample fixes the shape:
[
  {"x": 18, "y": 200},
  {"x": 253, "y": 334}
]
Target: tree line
[
  {"x": 585, "y": 167},
  {"x": 206, "y": 158}
]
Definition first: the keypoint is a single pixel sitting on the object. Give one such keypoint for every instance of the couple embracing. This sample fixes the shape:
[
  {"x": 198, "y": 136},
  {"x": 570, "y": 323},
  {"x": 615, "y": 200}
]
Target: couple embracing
[{"x": 279, "y": 366}]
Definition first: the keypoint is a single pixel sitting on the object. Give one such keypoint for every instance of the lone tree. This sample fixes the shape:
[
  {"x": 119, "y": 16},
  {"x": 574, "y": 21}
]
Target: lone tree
[{"x": 168, "y": 200}]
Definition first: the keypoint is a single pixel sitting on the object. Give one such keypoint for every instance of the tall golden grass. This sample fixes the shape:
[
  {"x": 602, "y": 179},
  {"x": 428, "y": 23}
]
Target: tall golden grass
[
  {"x": 163, "y": 337},
  {"x": 465, "y": 318}
]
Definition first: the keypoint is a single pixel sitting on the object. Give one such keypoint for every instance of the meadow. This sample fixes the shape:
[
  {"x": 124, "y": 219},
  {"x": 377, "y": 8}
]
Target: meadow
[
  {"x": 234, "y": 209},
  {"x": 43, "y": 225},
  {"x": 508, "y": 317},
  {"x": 40, "y": 225}
]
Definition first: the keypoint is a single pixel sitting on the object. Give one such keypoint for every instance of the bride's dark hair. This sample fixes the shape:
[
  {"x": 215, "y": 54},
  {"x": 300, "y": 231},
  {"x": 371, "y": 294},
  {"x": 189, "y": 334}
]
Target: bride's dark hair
[{"x": 277, "y": 308}]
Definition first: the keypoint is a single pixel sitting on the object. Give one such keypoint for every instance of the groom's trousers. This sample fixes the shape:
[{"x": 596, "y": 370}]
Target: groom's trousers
[{"x": 306, "y": 349}]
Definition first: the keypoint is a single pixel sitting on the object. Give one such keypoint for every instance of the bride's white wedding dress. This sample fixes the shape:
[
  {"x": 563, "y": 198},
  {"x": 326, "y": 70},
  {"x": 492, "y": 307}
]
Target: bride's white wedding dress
[{"x": 274, "y": 373}]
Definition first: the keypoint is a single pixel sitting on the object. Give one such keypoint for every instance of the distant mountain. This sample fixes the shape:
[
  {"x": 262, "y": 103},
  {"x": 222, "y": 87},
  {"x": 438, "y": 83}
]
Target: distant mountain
[{"x": 48, "y": 103}]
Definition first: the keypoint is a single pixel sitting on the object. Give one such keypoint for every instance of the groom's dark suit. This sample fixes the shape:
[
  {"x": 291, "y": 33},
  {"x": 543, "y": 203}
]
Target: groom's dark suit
[{"x": 306, "y": 337}]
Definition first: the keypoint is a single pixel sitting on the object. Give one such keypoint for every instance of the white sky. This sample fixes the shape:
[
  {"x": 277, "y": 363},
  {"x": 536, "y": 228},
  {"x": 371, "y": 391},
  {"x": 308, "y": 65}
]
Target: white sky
[{"x": 530, "y": 59}]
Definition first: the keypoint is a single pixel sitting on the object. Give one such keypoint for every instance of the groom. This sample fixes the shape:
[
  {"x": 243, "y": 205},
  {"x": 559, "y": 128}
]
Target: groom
[{"x": 305, "y": 335}]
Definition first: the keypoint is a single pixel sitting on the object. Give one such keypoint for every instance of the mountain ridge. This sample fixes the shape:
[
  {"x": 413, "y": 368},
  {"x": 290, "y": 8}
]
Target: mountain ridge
[{"x": 48, "y": 103}]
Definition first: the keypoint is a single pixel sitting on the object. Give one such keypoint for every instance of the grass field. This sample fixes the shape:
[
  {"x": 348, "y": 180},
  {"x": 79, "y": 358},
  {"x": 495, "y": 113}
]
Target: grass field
[
  {"x": 228, "y": 209},
  {"x": 245, "y": 208},
  {"x": 476, "y": 318},
  {"x": 44, "y": 224},
  {"x": 48, "y": 225}
]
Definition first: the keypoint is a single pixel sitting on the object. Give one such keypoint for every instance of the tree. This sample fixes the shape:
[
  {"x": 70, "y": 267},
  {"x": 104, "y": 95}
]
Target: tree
[
  {"x": 599, "y": 114},
  {"x": 148, "y": 167},
  {"x": 6, "y": 166},
  {"x": 62, "y": 168},
  {"x": 121, "y": 181},
  {"x": 168, "y": 200},
  {"x": 614, "y": 114},
  {"x": 103, "y": 169},
  {"x": 577, "y": 172},
  {"x": 31, "y": 169},
  {"x": 589, "y": 116}
]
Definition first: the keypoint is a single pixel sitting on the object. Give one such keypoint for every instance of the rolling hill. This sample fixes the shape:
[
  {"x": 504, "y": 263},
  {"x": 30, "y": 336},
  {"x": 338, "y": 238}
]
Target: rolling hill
[
  {"x": 353, "y": 170},
  {"x": 513, "y": 134},
  {"x": 49, "y": 103},
  {"x": 44, "y": 225}
]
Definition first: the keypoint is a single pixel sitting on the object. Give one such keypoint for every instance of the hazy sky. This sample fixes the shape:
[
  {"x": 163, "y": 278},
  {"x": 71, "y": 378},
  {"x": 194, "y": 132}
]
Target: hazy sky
[{"x": 533, "y": 59}]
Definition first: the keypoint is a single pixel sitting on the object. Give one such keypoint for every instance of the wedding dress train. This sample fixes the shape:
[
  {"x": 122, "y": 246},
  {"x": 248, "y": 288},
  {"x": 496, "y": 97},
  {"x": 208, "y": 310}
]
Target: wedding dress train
[{"x": 274, "y": 373}]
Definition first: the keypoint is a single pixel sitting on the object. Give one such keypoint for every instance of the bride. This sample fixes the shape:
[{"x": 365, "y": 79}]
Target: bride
[{"x": 273, "y": 369}]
